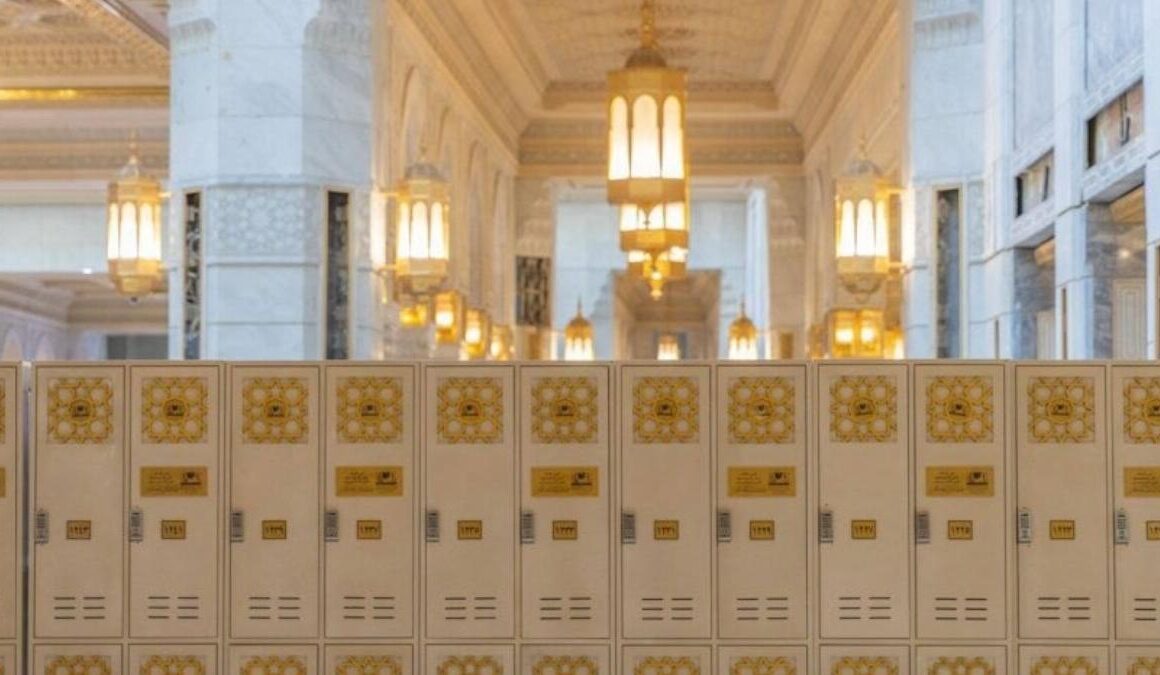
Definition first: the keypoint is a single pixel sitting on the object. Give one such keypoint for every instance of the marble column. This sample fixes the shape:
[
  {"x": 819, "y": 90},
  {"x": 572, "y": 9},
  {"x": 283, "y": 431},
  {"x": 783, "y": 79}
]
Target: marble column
[
  {"x": 271, "y": 108},
  {"x": 788, "y": 264}
]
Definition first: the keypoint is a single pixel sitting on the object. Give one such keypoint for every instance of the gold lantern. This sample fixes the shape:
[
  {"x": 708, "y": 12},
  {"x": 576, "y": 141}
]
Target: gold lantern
[
  {"x": 578, "y": 337},
  {"x": 856, "y": 333},
  {"x": 656, "y": 229},
  {"x": 862, "y": 227},
  {"x": 660, "y": 269},
  {"x": 647, "y": 154},
  {"x": 422, "y": 238},
  {"x": 742, "y": 337},
  {"x": 448, "y": 317},
  {"x": 668, "y": 348},
  {"x": 134, "y": 230},
  {"x": 476, "y": 334},
  {"x": 502, "y": 343},
  {"x": 414, "y": 315}
]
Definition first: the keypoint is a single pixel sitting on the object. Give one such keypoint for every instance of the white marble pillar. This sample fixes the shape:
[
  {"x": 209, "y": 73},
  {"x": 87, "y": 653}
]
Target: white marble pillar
[
  {"x": 1152, "y": 172},
  {"x": 271, "y": 107},
  {"x": 788, "y": 263}
]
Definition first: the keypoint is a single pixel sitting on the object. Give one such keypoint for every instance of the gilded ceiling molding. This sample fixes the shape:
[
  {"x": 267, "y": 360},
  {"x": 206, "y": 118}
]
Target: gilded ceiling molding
[
  {"x": 57, "y": 97},
  {"x": 122, "y": 30}
]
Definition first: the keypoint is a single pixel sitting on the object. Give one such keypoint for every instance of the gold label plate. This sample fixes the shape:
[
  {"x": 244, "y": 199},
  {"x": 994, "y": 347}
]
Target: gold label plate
[
  {"x": 863, "y": 529},
  {"x": 960, "y": 481},
  {"x": 174, "y": 481},
  {"x": 79, "y": 529},
  {"x": 762, "y": 481},
  {"x": 1142, "y": 481},
  {"x": 274, "y": 529},
  {"x": 565, "y": 530},
  {"x": 565, "y": 481},
  {"x": 1062, "y": 529},
  {"x": 368, "y": 481},
  {"x": 666, "y": 530},
  {"x": 173, "y": 529},
  {"x": 960, "y": 530},
  {"x": 762, "y": 530},
  {"x": 369, "y": 529},
  {"x": 1152, "y": 530},
  {"x": 470, "y": 529}
]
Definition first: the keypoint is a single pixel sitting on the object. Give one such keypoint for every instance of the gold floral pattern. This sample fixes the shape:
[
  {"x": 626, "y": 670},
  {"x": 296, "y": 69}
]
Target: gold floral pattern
[
  {"x": 666, "y": 665},
  {"x": 80, "y": 410},
  {"x": 761, "y": 410},
  {"x": 1064, "y": 665},
  {"x": 469, "y": 665},
  {"x": 763, "y": 665},
  {"x": 166, "y": 664},
  {"x": 960, "y": 409},
  {"x": 565, "y": 665},
  {"x": 665, "y": 410},
  {"x": 564, "y": 410},
  {"x": 275, "y": 410},
  {"x": 961, "y": 665},
  {"x": 864, "y": 409},
  {"x": 1142, "y": 410},
  {"x": 274, "y": 665},
  {"x": 78, "y": 665},
  {"x": 865, "y": 665},
  {"x": 174, "y": 409},
  {"x": 368, "y": 665},
  {"x": 470, "y": 410},
  {"x": 1061, "y": 409},
  {"x": 1143, "y": 665},
  {"x": 370, "y": 409}
]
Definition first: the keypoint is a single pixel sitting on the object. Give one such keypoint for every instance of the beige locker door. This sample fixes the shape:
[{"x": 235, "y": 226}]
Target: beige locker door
[
  {"x": 865, "y": 660},
  {"x": 79, "y": 488},
  {"x": 174, "y": 496},
  {"x": 278, "y": 659},
  {"x": 193, "y": 659},
  {"x": 787, "y": 660},
  {"x": 1137, "y": 661},
  {"x": 88, "y": 659},
  {"x": 667, "y": 660},
  {"x": 666, "y": 472},
  {"x": 864, "y": 478},
  {"x": 10, "y": 507},
  {"x": 565, "y": 493},
  {"x": 572, "y": 659},
  {"x": 8, "y": 660},
  {"x": 371, "y": 494},
  {"x": 959, "y": 478},
  {"x": 761, "y": 501},
  {"x": 368, "y": 659},
  {"x": 1063, "y": 660},
  {"x": 1061, "y": 450},
  {"x": 470, "y": 501},
  {"x": 274, "y": 506},
  {"x": 962, "y": 660},
  {"x": 1135, "y": 397},
  {"x": 474, "y": 659}
]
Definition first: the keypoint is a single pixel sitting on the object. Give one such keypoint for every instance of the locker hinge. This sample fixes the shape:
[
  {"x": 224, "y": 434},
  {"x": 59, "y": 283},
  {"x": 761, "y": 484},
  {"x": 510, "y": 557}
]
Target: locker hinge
[
  {"x": 922, "y": 527},
  {"x": 330, "y": 525},
  {"x": 527, "y": 527},
  {"x": 627, "y": 527},
  {"x": 41, "y": 526},
  {"x": 136, "y": 525},
  {"x": 237, "y": 526},
  {"x": 826, "y": 526},
  {"x": 1121, "y": 527},
  {"x": 724, "y": 526},
  {"x": 431, "y": 526},
  {"x": 1023, "y": 526}
]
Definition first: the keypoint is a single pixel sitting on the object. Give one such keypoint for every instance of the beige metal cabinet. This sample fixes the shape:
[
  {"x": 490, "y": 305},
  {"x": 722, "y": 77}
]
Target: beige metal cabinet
[
  {"x": 962, "y": 660},
  {"x": 864, "y": 519},
  {"x": 11, "y": 509},
  {"x": 90, "y": 659},
  {"x": 565, "y": 492},
  {"x": 475, "y": 659},
  {"x": 272, "y": 659},
  {"x": 8, "y": 661},
  {"x": 761, "y": 501},
  {"x": 371, "y": 498},
  {"x": 960, "y": 508},
  {"x": 666, "y": 475},
  {"x": 469, "y": 519},
  {"x": 572, "y": 659},
  {"x": 78, "y": 502},
  {"x": 667, "y": 660},
  {"x": 342, "y": 659},
  {"x": 1062, "y": 522},
  {"x": 1063, "y": 660},
  {"x": 191, "y": 659},
  {"x": 175, "y": 452},
  {"x": 274, "y": 507},
  {"x": 864, "y": 660},
  {"x": 762, "y": 661},
  {"x": 1135, "y": 427}
]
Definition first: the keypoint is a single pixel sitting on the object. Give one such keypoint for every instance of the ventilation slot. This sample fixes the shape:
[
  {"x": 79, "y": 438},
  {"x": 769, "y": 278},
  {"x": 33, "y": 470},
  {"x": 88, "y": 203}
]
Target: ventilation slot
[
  {"x": 571, "y": 608},
  {"x": 961, "y": 609},
  {"x": 667, "y": 609},
  {"x": 368, "y": 607},
  {"x": 865, "y": 608},
  {"x": 1144, "y": 609},
  {"x": 1061, "y": 608},
  {"x": 275, "y": 608},
  {"x": 83, "y": 608},
  {"x": 770, "y": 608},
  {"x": 169, "y": 607},
  {"x": 473, "y": 608}
]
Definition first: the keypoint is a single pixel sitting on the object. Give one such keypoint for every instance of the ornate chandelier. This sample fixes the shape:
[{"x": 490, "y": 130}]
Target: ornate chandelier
[
  {"x": 422, "y": 239},
  {"x": 742, "y": 337},
  {"x": 476, "y": 335},
  {"x": 861, "y": 221},
  {"x": 668, "y": 348},
  {"x": 134, "y": 230},
  {"x": 660, "y": 269},
  {"x": 578, "y": 334}
]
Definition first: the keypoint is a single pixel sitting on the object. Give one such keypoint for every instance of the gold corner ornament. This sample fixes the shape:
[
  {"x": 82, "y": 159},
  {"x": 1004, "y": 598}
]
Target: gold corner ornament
[
  {"x": 564, "y": 410},
  {"x": 1144, "y": 665},
  {"x": 1061, "y": 410},
  {"x": 761, "y": 410},
  {"x": 666, "y": 665},
  {"x": 961, "y": 665},
  {"x": 80, "y": 410},
  {"x": 470, "y": 410},
  {"x": 469, "y": 665},
  {"x": 274, "y": 410},
  {"x": 960, "y": 409},
  {"x": 80, "y": 664},
  {"x": 865, "y": 665},
  {"x": 172, "y": 664},
  {"x": 174, "y": 409},
  {"x": 864, "y": 409},
  {"x": 370, "y": 409},
  {"x": 274, "y": 665},
  {"x": 368, "y": 665},
  {"x": 565, "y": 665},
  {"x": 1064, "y": 665},
  {"x": 665, "y": 410},
  {"x": 763, "y": 665},
  {"x": 1142, "y": 410}
]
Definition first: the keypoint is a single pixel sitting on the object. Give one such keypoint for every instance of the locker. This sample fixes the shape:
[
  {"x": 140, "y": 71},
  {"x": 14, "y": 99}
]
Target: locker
[
  {"x": 1137, "y": 661},
  {"x": 78, "y": 500},
  {"x": 864, "y": 518},
  {"x": 667, "y": 660},
  {"x": 91, "y": 659},
  {"x": 666, "y": 472},
  {"x": 962, "y": 660},
  {"x": 960, "y": 508},
  {"x": 865, "y": 660},
  {"x": 8, "y": 663},
  {"x": 566, "y": 581},
  {"x": 762, "y": 661},
  {"x": 174, "y": 496},
  {"x": 368, "y": 660},
  {"x": 761, "y": 501},
  {"x": 274, "y": 506},
  {"x": 565, "y": 660},
  {"x": 1062, "y": 515},
  {"x": 1061, "y": 660},
  {"x": 10, "y": 508},
  {"x": 192, "y": 659},
  {"x": 470, "y": 501},
  {"x": 370, "y": 501},
  {"x": 273, "y": 659},
  {"x": 473, "y": 659},
  {"x": 1135, "y": 397}
]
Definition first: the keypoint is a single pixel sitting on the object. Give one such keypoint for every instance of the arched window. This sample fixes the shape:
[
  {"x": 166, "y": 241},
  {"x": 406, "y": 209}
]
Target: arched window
[
  {"x": 674, "y": 150},
  {"x": 646, "y": 161},
  {"x": 618, "y": 140}
]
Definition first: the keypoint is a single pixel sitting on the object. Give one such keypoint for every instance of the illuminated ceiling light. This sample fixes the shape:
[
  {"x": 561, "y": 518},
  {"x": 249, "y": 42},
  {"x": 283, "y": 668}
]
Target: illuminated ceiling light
[
  {"x": 659, "y": 270},
  {"x": 502, "y": 343},
  {"x": 578, "y": 337},
  {"x": 742, "y": 337},
  {"x": 668, "y": 348},
  {"x": 134, "y": 230},
  {"x": 448, "y": 317},
  {"x": 422, "y": 239},
  {"x": 476, "y": 335},
  {"x": 862, "y": 227}
]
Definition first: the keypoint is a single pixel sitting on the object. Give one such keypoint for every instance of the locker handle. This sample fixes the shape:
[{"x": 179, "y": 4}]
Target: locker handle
[
  {"x": 136, "y": 525},
  {"x": 825, "y": 526},
  {"x": 330, "y": 525},
  {"x": 724, "y": 526},
  {"x": 237, "y": 526},
  {"x": 1120, "y": 527},
  {"x": 41, "y": 526},
  {"x": 1023, "y": 526}
]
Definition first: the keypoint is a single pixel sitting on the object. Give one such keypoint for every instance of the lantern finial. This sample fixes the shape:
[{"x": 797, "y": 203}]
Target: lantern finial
[{"x": 648, "y": 24}]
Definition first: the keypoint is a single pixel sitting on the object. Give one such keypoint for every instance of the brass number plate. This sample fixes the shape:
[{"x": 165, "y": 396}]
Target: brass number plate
[
  {"x": 79, "y": 529},
  {"x": 173, "y": 529},
  {"x": 369, "y": 529},
  {"x": 565, "y": 530},
  {"x": 274, "y": 529},
  {"x": 1062, "y": 529},
  {"x": 666, "y": 530},
  {"x": 762, "y": 530},
  {"x": 961, "y": 530},
  {"x": 863, "y": 529},
  {"x": 470, "y": 529}
]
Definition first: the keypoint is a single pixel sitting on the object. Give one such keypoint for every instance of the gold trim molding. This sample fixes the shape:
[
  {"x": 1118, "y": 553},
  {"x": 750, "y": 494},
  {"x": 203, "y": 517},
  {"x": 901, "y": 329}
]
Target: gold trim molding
[{"x": 157, "y": 96}]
